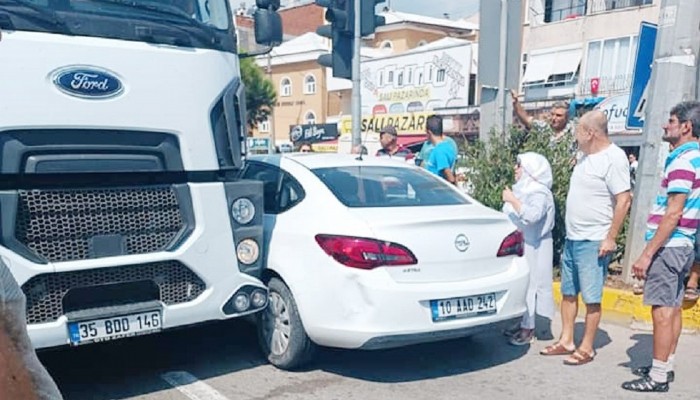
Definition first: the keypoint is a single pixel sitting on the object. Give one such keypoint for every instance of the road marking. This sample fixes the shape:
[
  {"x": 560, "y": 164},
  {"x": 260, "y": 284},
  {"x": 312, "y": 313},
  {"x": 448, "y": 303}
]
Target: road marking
[{"x": 191, "y": 387}]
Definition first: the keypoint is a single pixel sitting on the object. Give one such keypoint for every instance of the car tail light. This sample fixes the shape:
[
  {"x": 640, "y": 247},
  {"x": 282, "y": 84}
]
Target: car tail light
[
  {"x": 365, "y": 253},
  {"x": 512, "y": 245}
]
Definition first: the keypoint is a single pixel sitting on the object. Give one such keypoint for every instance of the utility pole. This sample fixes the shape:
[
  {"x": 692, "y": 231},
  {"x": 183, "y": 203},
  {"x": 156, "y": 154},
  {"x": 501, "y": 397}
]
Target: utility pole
[
  {"x": 499, "y": 45},
  {"x": 271, "y": 117},
  {"x": 356, "y": 96},
  {"x": 673, "y": 79}
]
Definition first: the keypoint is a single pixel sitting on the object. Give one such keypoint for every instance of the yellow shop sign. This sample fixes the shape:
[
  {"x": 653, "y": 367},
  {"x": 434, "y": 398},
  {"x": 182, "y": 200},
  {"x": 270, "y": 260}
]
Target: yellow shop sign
[{"x": 406, "y": 124}]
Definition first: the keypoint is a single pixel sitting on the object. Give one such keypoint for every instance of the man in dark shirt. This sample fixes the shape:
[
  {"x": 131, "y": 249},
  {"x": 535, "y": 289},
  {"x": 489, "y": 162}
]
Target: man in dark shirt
[{"x": 390, "y": 146}]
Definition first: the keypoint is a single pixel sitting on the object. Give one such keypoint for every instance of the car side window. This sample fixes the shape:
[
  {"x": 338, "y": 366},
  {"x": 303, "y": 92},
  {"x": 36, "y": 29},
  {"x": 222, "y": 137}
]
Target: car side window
[
  {"x": 291, "y": 192},
  {"x": 269, "y": 175}
]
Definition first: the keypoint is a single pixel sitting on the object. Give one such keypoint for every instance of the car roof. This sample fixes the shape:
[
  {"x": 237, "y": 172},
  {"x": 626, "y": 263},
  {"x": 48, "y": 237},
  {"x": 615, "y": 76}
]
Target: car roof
[{"x": 331, "y": 160}]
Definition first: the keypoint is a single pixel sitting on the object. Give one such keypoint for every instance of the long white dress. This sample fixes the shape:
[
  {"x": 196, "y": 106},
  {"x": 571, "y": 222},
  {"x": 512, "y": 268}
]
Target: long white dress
[{"x": 536, "y": 221}]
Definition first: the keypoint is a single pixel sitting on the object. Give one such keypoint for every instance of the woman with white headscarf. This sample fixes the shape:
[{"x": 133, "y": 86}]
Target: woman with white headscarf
[{"x": 530, "y": 206}]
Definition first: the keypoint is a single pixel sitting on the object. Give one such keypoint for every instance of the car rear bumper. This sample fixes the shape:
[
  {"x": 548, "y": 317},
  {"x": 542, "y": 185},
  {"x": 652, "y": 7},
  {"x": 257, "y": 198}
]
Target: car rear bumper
[{"x": 370, "y": 312}]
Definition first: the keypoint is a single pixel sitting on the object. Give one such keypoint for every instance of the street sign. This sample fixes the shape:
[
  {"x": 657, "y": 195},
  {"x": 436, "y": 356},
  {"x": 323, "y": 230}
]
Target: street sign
[
  {"x": 642, "y": 73},
  {"x": 258, "y": 144}
]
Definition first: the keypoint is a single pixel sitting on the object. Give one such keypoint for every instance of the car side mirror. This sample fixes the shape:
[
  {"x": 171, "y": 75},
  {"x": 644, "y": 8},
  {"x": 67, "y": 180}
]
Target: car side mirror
[{"x": 268, "y": 27}]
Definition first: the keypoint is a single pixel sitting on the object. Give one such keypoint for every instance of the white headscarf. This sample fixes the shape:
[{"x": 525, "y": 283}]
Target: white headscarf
[{"x": 537, "y": 174}]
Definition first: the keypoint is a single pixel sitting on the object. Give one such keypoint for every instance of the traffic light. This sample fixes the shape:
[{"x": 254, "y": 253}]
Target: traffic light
[
  {"x": 340, "y": 15},
  {"x": 369, "y": 20}
]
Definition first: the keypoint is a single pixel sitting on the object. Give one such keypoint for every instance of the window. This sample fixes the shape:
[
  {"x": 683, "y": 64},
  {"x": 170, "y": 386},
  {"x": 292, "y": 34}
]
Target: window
[
  {"x": 422, "y": 43},
  {"x": 399, "y": 79},
  {"x": 472, "y": 90},
  {"x": 552, "y": 66},
  {"x": 374, "y": 186},
  {"x": 264, "y": 126},
  {"x": 440, "y": 75},
  {"x": 268, "y": 175},
  {"x": 290, "y": 192},
  {"x": 310, "y": 118},
  {"x": 612, "y": 61},
  {"x": 390, "y": 79},
  {"x": 309, "y": 84},
  {"x": 386, "y": 45},
  {"x": 608, "y": 5},
  {"x": 557, "y": 10},
  {"x": 285, "y": 87}
]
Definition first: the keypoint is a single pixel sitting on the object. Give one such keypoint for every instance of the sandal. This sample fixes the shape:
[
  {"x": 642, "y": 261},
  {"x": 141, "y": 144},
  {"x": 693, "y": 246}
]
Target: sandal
[
  {"x": 512, "y": 331},
  {"x": 644, "y": 371},
  {"x": 556, "y": 349},
  {"x": 691, "y": 294},
  {"x": 645, "y": 384},
  {"x": 579, "y": 357}
]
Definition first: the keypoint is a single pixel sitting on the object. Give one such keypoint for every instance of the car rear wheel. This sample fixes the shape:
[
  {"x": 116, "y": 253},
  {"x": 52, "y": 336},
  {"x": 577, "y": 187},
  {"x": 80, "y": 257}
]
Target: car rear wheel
[{"x": 282, "y": 336}]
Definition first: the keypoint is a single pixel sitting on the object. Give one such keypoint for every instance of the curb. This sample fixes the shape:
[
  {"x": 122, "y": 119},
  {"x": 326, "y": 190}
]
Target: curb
[{"x": 626, "y": 308}]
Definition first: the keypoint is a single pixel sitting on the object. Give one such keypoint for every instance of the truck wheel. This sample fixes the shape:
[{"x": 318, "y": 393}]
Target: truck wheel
[{"x": 281, "y": 335}]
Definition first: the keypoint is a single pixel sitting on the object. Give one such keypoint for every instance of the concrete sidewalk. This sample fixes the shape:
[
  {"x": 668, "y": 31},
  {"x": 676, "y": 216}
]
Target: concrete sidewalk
[{"x": 624, "y": 307}]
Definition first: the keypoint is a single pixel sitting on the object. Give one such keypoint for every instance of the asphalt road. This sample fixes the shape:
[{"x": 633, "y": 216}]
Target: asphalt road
[{"x": 220, "y": 361}]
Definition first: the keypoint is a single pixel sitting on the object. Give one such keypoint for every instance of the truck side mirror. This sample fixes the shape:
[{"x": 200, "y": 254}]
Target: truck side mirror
[{"x": 268, "y": 27}]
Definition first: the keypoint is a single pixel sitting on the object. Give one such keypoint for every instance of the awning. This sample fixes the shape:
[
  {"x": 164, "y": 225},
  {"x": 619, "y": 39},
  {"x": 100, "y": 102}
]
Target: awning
[
  {"x": 407, "y": 140},
  {"x": 543, "y": 64}
]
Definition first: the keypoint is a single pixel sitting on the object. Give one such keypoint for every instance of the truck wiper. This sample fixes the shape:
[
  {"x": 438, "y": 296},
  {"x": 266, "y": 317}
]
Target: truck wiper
[{"x": 42, "y": 14}]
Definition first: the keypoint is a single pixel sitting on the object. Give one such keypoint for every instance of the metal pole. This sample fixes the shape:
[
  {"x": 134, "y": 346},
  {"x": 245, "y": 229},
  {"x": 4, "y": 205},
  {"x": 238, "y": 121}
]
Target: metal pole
[
  {"x": 501, "y": 96},
  {"x": 356, "y": 99},
  {"x": 271, "y": 117},
  {"x": 673, "y": 79}
]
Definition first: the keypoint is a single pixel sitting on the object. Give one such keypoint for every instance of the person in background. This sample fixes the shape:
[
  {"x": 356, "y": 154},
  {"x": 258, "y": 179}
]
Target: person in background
[
  {"x": 305, "y": 147},
  {"x": 442, "y": 157},
  {"x": 562, "y": 128},
  {"x": 424, "y": 153},
  {"x": 633, "y": 168},
  {"x": 388, "y": 138},
  {"x": 530, "y": 206}
]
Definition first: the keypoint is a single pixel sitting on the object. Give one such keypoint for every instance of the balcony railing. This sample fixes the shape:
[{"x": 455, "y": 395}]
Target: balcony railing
[
  {"x": 607, "y": 85},
  {"x": 601, "y": 6}
]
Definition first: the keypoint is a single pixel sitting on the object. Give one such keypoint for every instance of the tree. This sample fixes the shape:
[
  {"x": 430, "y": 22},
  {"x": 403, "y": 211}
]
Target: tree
[{"x": 260, "y": 95}]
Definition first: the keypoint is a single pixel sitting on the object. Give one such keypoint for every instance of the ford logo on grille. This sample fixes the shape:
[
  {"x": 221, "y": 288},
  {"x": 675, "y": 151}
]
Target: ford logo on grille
[{"x": 87, "y": 82}]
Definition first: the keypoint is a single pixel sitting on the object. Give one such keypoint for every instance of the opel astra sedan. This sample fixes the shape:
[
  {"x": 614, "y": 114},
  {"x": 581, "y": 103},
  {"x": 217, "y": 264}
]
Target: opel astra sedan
[{"x": 370, "y": 253}]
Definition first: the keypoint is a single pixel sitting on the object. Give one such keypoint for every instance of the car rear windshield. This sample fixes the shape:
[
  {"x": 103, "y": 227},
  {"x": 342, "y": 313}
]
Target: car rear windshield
[{"x": 380, "y": 186}]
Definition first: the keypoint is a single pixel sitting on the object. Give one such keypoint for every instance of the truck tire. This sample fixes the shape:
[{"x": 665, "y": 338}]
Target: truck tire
[{"x": 282, "y": 337}]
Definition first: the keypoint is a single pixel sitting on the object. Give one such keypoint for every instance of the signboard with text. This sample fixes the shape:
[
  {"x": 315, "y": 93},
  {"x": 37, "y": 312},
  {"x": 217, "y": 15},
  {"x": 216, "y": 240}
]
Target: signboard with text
[{"x": 313, "y": 133}]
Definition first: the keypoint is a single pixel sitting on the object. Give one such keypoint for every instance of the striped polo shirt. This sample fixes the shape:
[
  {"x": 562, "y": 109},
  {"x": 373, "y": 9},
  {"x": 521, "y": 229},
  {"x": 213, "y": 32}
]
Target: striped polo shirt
[{"x": 681, "y": 175}]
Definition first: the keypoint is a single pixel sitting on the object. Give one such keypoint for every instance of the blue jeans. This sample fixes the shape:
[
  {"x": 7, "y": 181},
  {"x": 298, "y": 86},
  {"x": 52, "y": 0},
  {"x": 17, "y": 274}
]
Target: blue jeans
[{"x": 582, "y": 271}]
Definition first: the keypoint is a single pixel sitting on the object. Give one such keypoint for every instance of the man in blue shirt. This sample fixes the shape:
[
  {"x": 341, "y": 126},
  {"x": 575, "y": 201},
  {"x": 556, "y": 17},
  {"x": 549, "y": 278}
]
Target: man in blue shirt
[{"x": 443, "y": 156}]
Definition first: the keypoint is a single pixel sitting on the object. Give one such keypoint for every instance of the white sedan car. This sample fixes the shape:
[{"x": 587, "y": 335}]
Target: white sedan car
[{"x": 369, "y": 253}]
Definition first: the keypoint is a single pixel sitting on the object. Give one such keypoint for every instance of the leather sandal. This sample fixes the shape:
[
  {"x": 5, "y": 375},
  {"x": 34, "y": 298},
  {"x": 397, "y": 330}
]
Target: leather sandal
[
  {"x": 579, "y": 357},
  {"x": 556, "y": 349}
]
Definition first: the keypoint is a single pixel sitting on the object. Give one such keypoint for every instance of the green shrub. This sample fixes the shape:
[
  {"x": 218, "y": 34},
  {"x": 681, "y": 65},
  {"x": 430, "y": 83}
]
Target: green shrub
[
  {"x": 491, "y": 165},
  {"x": 491, "y": 170}
]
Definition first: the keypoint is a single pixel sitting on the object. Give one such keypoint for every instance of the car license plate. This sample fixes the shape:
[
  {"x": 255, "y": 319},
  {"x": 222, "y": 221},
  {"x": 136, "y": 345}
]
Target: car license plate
[
  {"x": 115, "y": 327},
  {"x": 463, "y": 307}
]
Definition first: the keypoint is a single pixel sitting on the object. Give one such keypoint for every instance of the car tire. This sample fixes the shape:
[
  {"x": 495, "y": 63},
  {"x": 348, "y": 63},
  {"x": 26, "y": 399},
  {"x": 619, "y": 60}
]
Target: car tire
[{"x": 282, "y": 337}]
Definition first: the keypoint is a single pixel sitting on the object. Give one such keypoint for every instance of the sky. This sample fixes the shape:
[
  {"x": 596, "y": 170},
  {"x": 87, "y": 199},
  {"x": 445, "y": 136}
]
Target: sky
[{"x": 435, "y": 8}]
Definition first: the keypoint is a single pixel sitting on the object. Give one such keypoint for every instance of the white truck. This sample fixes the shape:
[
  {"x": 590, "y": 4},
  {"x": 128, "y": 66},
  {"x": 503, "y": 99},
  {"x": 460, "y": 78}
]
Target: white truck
[{"x": 122, "y": 129}]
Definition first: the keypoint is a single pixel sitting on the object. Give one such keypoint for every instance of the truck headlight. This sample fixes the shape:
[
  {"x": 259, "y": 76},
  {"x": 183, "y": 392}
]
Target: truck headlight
[
  {"x": 241, "y": 302},
  {"x": 248, "y": 251},
  {"x": 243, "y": 210}
]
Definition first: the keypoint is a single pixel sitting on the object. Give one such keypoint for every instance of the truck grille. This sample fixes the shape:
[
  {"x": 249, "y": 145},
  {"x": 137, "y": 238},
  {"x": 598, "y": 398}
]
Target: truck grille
[
  {"x": 61, "y": 224},
  {"x": 45, "y": 293}
]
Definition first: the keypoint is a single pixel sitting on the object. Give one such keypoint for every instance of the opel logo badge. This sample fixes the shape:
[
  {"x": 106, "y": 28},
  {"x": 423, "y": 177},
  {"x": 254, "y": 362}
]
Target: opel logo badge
[{"x": 462, "y": 242}]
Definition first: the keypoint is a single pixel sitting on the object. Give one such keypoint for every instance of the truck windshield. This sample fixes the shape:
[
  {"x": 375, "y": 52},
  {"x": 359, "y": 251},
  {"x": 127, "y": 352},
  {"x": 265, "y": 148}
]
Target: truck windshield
[{"x": 191, "y": 23}]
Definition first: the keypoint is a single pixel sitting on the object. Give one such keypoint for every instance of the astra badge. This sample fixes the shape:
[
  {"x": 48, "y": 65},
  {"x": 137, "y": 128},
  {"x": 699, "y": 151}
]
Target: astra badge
[
  {"x": 87, "y": 82},
  {"x": 462, "y": 242}
]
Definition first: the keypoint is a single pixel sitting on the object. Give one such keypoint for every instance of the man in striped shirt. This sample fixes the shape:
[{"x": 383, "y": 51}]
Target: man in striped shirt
[{"x": 669, "y": 252}]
